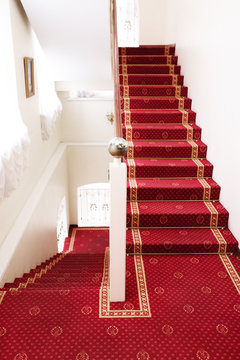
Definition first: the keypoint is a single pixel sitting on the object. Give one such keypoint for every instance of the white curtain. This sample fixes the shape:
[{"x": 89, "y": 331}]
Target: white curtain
[
  {"x": 50, "y": 106},
  {"x": 14, "y": 139},
  {"x": 128, "y": 23}
]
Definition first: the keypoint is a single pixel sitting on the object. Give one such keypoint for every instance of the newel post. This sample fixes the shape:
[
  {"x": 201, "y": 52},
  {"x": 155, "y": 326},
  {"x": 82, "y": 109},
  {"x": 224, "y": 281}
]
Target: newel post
[{"x": 118, "y": 147}]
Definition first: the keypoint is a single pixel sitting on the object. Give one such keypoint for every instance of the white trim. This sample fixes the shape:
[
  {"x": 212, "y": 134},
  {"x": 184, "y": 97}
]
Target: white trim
[{"x": 86, "y": 144}]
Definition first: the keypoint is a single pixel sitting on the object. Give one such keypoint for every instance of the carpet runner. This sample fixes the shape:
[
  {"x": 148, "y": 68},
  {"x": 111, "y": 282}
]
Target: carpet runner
[
  {"x": 170, "y": 183},
  {"x": 177, "y": 307},
  {"x": 181, "y": 305}
]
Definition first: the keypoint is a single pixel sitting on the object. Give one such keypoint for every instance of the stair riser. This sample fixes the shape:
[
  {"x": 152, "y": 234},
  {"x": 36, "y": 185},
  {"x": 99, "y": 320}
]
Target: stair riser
[
  {"x": 155, "y": 134},
  {"x": 169, "y": 248},
  {"x": 176, "y": 220},
  {"x": 149, "y": 69},
  {"x": 154, "y": 91},
  {"x": 159, "y": 118},
  {"x": 150, "y": 104},
  {"x": 141, "y": 59},
  {"x": 163, "y": 194},
  {"x": 152, "y": 80},
  {"x": 147, "y": 51},
  {"x": 168, "y": 151},
  {"x": 170, "y": 172}
]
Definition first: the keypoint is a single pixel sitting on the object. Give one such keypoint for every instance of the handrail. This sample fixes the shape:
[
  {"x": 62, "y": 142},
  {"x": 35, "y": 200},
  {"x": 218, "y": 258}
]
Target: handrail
[{"x": 115, "y": 63}]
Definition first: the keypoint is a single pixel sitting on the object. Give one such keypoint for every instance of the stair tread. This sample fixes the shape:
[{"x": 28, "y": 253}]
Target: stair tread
[
  {"x": 177, "y": 207},
  {"x": 171, "y": 183},
  {"x": 156, "y": 126}
]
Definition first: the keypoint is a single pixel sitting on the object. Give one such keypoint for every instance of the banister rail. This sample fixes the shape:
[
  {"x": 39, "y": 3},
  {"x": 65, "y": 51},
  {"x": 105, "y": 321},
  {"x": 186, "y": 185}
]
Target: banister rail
[{"x": 115, "y": 64}]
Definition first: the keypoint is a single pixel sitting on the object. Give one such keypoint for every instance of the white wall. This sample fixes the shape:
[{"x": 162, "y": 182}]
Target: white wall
[
  {"x": 32, "y": 239},
  {"x": 76, "y": 37},
  {"x": 206, "y": 34},
  {"x": 86, "y": 164},
  {"x": 40, "y": 152}
]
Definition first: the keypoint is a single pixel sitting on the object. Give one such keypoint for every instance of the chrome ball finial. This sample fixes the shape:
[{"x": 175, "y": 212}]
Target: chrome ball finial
[{"x": 118, "y": 147}]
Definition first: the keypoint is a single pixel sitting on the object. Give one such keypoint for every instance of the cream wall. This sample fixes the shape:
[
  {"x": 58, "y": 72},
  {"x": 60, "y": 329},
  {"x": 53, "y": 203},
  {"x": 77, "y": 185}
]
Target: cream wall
[
  {"x": 40, "y": 152},
  {"x": 206, "y": 34}
]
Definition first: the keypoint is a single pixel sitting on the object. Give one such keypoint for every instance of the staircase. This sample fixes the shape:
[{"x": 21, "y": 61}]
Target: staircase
[{"x": 173, "y": 202}]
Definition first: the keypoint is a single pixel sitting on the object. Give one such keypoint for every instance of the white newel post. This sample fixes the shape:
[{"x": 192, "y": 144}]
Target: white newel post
[{"x": 117, "y": 233}]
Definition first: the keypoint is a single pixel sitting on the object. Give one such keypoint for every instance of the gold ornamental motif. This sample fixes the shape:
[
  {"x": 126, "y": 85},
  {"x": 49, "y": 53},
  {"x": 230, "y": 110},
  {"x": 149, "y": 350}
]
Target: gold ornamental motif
[
  {"x": 206, "y": 189},
  {"x": 21, "y": 356},
  {"x": 206, "y": 290},
  {"x": 125, "y": 91},
  {"x": 169, "y": 60},
  {"x": 222, "y": 329},
  {"x": 167, "y": 329},
  {"x": 131, "y": 168},
  {"x": 167, "y": 50},
  {"x": 231, "y": 271},
  {"x": 127, "y": 118},
  {"x": 130, "y": 153},
  {"x": 125, "y": 79},
  {"x": 184, "y": 117},
  {"x": 214, "y": 214},
  {"x": 202, "y": 355},
  {"x": 189, "y": 131},
  {"x": 133, "y": 189},
  {"x": 56, "y": 331},
  {"x": 34, "y": 311},
  {"x": 124, "y": 69},
  {"x": 129, "y": 132},
  {"x": 174, "y": 80},
  {"x": 194, "y": 149},
  {"x": 189, "y": 309},
  {"x": 124, "y": 59},
  {"x": 3, "y": 331},
  {"x": 82, "y": 356},
  {"x": 171, "y": 69},
  {"x": 137, "y": 241},
  {"x": 178, "y": 91},
  {"x": 159, "y": 290},
  {"x": 112, "y": 330},
  {"x": 104, "y": 301},
  {"x": 181, "y": 103},
  {"x": 236, "y": 307},
  {"x": 126, "y": 104},
  {"x": 143, "y": 355},
  {"x": 222, "y": 249},
  {"x": 200, "y": 168},
  {"x": 86, "y": 310},
  {"x": 134, "y": 214}
]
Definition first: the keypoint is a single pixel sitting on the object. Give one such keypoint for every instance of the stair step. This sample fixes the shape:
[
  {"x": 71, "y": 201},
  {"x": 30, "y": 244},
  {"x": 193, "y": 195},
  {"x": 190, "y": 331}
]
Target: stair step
[
  {"x": 153, "y": 90},
  {"x": 158, "y": 116},
  {"x": 148, "y": 59},
  {"x": 151, "y": 79},
  {"x": 149, "y": 69},
  {"x": 167, "y": 149},
  {"x": 156, "y": 102},
  {"x": 161, "y": 131},
  {"x": 172, "y": 189},
  {"x": 181, "y": 241},
  {"x": 148, "y": 50},
  {"x": 168, "y": 168},
  {"x": 176, "y": 214}
]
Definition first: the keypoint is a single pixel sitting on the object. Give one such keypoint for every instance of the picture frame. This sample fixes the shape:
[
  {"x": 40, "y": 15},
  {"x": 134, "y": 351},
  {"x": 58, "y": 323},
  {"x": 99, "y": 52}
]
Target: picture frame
[{"x": 29, "y": 76}]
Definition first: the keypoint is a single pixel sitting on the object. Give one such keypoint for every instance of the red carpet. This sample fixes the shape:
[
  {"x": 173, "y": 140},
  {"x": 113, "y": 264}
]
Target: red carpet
[
  {"x": 170, "y": 181},
  {"x": 178, "y": 307}
]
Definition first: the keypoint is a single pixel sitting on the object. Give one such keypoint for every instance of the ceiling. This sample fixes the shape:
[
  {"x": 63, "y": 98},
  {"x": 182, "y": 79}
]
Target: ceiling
[{"x": 75, "y": 36}]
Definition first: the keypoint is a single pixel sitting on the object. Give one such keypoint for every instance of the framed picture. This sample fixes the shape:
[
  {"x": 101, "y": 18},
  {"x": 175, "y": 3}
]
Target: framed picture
[{"x": 29, "y": 76}]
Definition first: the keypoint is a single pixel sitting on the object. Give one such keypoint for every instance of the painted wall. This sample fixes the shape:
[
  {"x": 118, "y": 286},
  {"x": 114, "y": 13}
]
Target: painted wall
[
  {"x": 76, "y": 37},
  {"x": 32, "y": 239},
  {"x": 40, "y": 152},
  {"x": 207, "y": 40}
]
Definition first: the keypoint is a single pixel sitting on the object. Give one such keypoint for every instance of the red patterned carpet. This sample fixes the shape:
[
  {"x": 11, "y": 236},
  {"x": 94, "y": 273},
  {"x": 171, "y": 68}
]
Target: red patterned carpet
[
  {"x": 178, "y": 307},
  {"x": 181, "y": 305}
]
